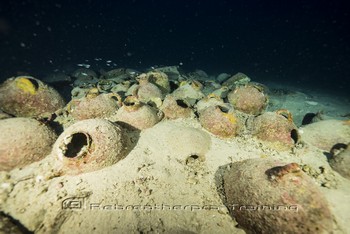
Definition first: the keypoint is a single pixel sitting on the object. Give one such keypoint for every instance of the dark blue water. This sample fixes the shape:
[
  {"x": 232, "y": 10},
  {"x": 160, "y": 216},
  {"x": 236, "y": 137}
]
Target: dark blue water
[{"x": 305, "y": 43}]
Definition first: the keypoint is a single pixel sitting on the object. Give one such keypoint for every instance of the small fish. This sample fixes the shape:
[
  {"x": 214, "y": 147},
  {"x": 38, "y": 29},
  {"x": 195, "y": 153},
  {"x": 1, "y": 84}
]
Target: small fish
[
  {"x": 84, "y": 74},
  {"x": 97, "y": 59},
  {"x": 83, "y": 65},
  {"x": 108, "y": 61}
]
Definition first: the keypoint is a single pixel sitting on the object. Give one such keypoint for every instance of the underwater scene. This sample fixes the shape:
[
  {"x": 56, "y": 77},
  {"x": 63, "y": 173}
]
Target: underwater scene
[{"x": 149, "y": 116}]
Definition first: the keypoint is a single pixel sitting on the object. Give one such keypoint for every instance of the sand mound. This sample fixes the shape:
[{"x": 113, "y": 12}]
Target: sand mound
[
  {"x": 325, "y": 134},
  {"x": 156, "y": 188}
]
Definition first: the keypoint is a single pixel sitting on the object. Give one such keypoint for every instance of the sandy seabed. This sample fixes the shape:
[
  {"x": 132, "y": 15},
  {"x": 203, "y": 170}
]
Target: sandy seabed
[{"x": 168, "y": 183}]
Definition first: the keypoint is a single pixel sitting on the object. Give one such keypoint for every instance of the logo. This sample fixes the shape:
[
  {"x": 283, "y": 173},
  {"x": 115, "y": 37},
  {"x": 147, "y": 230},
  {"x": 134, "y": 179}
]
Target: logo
[{"x": 73, "y": 203}]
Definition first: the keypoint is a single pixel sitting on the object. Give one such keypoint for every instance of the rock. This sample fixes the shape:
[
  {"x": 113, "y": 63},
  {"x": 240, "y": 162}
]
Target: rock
[
  {"x": 276, "y": 129},
  {"x": 269, "y": 196},
  {"x": 327, "y": 133},
  {"x": 26, "y": 96},
  {"x": 221, "y": 121},
  {"x": 248, "y": 99},
  {"x": 340, "y": 162},
  {"x": 23, "y": 141}
]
